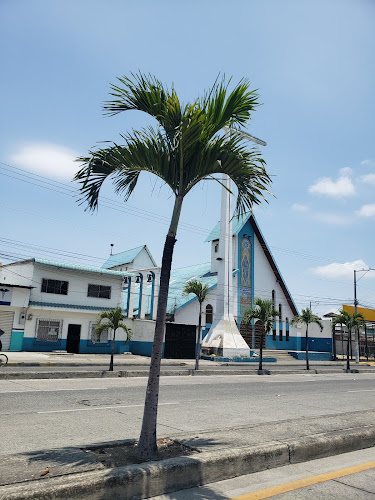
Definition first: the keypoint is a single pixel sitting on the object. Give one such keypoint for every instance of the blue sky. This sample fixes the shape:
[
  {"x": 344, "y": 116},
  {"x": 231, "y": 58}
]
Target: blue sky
[{"x": 313, "y": 64}]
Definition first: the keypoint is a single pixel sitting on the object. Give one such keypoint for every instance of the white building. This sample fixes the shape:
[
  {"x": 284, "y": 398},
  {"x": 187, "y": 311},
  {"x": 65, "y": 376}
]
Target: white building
[
  {"x": 47, "y": 306},
  {"x": 50, "y": 306}
]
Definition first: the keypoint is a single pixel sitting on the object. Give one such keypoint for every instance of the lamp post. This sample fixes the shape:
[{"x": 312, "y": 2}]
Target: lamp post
[{"x": 356, "y": 342}]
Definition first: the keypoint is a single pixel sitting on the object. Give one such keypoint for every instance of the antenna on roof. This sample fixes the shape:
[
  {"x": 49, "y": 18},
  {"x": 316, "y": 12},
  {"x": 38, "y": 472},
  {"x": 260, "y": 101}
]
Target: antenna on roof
[{"x": 112, "y": 245}]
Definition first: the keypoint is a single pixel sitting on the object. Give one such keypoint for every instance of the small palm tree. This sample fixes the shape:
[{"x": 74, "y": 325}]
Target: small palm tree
[
  {"x": 113, "y": 320},
  {"x": 264, "y": 312},
  {"x": 186, "y": 147},
  {"x": 200, "y": 291},
  {"x": 307, "y": 317},
  {"x": 351, "y": 321}
]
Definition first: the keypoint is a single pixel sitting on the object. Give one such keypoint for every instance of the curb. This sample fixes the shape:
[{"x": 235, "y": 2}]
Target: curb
[
  {"x": 156, "y": 478},
  {"x": 22, "y": 375}
]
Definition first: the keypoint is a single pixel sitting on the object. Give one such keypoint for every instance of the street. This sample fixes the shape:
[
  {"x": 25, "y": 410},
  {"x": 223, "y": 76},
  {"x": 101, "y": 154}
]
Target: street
[{"x": 45, "y": 414}]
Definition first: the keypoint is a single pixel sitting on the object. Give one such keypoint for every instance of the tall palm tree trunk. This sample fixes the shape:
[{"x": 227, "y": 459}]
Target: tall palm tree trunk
[
  {"x": 198, "y": 340},
  {"x": 307, "y": 347},
  {"x": 347, "y": 351},
  {"x": 147, "y": 447},
  {"x": 334, "y": 353},
  {"x": 261, "y": 350},
  {"x": 356, "y": 345},
  {"x": 112, "y": 351}
]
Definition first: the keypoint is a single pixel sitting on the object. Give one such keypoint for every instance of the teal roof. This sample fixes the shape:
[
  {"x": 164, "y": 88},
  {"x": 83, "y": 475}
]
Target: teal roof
[
  {"x": 80, "y": 268},
  {"x": 122, "y": 258},
  {"x": 178, "y": 279},
  {"x": 237, "y": 225}
]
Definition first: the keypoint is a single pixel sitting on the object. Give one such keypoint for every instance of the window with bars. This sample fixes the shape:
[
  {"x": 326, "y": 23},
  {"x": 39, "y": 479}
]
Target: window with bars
[
  {"x": 55, "y": 286},
  {"x": 99, "y": 291},
  {"x": 95, "y": 338},
  {"x": 48, "y": 330}
]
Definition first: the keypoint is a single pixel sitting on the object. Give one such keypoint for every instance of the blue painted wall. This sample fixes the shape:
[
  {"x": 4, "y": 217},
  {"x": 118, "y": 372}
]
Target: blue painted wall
[
  {"x": 16, "y": 340},
  {"x": 85, "y": 346},
  {"x": 299, "y": 344},
  {"x": 142, "y": 348},
  {"x": 291, "y": 345}
]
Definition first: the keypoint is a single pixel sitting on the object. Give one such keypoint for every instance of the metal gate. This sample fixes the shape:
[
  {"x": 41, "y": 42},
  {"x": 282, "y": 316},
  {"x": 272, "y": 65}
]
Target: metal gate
[
  {"x": 6, "y": 324},
  {"x": 179, "y": 341}
]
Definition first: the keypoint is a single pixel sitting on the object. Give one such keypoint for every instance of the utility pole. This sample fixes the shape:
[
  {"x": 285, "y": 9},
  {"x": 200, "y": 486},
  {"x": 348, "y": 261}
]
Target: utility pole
[{"x": 356, "y": 343}]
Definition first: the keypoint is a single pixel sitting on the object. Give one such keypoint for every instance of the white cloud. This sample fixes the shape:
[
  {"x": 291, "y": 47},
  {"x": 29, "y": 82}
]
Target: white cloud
[
  {"x": 367, "y": 210},
  {"x": 346, "y": 172},
  {"x": 338, "y": 270},
  {"x": 299, "y": 208},
  {"x": 339, "y": 189},
  {"x": 47, "y": 159},
  {"x": 368, "y": 179},
  {"x": 369, "y": 161},
  {"x": 334, "y": 219}
]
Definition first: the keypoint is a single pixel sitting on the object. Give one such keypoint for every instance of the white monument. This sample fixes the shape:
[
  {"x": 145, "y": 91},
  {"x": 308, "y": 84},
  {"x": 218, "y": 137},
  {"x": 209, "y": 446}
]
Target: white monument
[{"x": 224, "y": 338}]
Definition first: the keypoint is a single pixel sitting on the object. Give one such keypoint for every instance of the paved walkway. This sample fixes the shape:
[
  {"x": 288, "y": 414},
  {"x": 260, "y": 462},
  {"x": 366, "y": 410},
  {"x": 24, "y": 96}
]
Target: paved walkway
[{"x": 62, "y": 359}]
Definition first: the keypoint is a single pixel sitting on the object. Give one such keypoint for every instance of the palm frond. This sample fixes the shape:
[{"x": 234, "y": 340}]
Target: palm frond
[
  {"x": 196, "y": 288},
  {"x": 307, "y": 317}
]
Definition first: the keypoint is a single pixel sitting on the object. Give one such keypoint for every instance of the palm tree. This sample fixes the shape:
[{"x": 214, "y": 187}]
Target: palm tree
[
  {"x": 264, "y": 312},
  {"x": 351, "y": 321},
  {"x": 187, "y": 146},
  {"x": 113, "y": 320},
  {"x": 201, "y": 292},
  {"x": 307, "y": 317}
]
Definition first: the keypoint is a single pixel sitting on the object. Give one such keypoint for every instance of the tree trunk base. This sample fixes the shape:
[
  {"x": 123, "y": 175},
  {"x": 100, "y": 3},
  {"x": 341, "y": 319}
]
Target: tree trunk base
[{"x": 264, "y": 372}]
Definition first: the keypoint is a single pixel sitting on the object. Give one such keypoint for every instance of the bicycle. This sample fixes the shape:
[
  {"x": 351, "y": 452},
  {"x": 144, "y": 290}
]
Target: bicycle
[{"x": 3, "y": 359}]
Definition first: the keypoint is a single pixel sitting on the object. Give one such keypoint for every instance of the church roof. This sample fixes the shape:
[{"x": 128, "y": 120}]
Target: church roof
[
  {"x": 126, "y": 257},
  {"x": 237, "y": 224}
]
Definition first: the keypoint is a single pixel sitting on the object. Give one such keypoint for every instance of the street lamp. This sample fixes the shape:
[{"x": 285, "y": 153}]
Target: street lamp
[{"x": 356, "y": 343}]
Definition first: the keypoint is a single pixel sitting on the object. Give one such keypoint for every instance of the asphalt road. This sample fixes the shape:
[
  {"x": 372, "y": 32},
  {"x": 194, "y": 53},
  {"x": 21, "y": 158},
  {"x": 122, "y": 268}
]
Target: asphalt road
[{"x": 44, "y": 414}]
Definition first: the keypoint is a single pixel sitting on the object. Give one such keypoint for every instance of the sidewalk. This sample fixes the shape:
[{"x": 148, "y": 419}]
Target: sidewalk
[
  {"x": 27, "y": 365},
  {"x": 219, "y": 454}
]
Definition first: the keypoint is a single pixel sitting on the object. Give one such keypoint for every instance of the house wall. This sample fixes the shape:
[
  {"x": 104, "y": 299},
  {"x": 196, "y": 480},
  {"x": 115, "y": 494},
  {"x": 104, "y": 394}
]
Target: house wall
[
  {"x": 320, "y": 341},
  {"x": 264, "y": 282},
  {"x": 142, "y": 261},
  {"x": 77, "y": 289},
  {"x": 143, "y": 336},
  {"x": 82, "y": 318},
  {"x": 19, "y": 299},
  {"x": 17, "y": 274}
]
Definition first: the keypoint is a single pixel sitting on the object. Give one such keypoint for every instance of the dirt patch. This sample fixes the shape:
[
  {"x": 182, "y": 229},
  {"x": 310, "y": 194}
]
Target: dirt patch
[{"x": 124, "y": 454}]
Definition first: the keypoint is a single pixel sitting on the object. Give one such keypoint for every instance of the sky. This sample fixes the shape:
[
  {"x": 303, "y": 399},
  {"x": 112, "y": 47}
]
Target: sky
[{"x": 312, "y": 63}]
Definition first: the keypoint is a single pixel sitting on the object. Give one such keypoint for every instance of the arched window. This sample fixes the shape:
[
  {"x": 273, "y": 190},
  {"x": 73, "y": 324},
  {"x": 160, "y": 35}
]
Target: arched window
[
  {"x": 209, "y": 314},
  {"x": 287, "y": 329},
  {"x": 273, "y": 299},
  {"x": 216, "y": 247}
]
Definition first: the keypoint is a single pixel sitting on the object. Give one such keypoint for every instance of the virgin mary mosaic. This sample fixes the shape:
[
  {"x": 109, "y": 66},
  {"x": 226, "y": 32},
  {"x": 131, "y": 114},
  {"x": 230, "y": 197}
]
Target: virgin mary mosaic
[{"x": 245, "y": 262}]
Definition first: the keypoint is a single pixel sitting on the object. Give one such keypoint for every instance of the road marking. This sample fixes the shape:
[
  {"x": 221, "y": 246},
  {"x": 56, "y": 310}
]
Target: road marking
[
  {"x": 364, "y": 390},
  {"x": 29, "y": 389},
  {"x": 101, "y": 408},
  {"x": 308, "y": 481}
]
